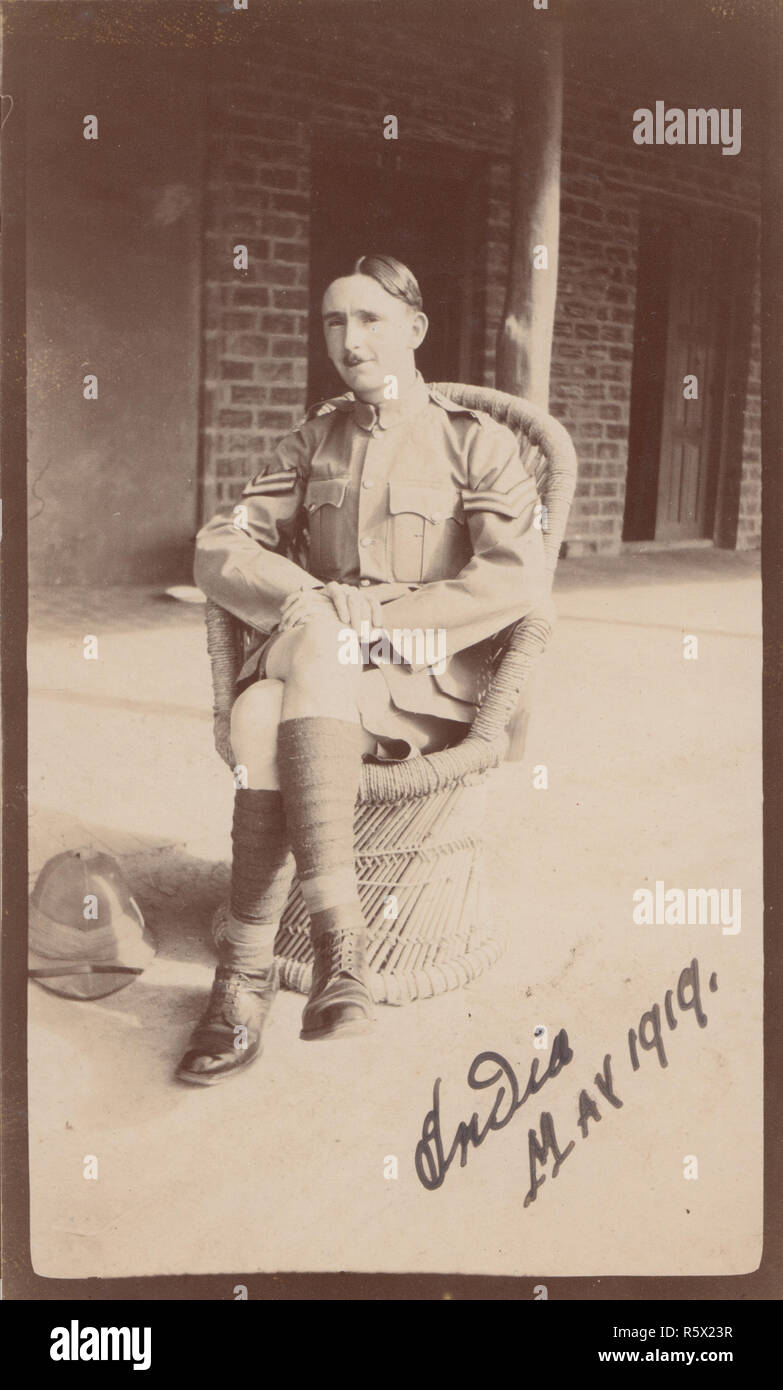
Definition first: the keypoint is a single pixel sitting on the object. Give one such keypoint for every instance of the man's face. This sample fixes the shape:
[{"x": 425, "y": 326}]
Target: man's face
[{"x": 370, "y": 334}]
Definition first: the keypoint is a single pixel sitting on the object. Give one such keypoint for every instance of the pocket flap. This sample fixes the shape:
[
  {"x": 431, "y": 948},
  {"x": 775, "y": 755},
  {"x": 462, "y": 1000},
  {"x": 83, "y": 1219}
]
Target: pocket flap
[
  {"x": 433, "y": 503},
  {"x": 325, "y": 492}
]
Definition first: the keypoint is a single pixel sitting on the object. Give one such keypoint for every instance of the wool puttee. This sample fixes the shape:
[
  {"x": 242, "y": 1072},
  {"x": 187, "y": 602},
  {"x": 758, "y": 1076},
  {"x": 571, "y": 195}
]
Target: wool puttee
[
  {"x": 319, "y": 766},
  {"x": 261, "y": 875}
]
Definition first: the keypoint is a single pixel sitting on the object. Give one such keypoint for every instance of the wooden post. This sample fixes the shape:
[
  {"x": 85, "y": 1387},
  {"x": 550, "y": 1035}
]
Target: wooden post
[{"x": 524, "y": 344}]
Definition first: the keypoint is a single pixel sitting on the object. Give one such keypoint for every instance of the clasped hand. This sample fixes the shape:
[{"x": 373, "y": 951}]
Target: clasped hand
[{"x": 352, "y": 606}]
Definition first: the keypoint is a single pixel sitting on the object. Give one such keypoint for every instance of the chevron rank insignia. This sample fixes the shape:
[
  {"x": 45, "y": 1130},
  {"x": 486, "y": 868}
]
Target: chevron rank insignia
[
  {"x": 271, "y": 484},
  {"x": 509, "y": 504}
]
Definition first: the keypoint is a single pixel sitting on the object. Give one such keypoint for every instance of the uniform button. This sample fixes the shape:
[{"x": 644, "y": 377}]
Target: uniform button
[
  {"x": 364, "y": 581},
  {"x": 366, "y": 540},
  {"x": 368, "y": 482}
]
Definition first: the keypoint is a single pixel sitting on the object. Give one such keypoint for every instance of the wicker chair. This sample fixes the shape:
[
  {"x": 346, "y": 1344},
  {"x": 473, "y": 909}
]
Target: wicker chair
[{"x": 417, "y": 846}]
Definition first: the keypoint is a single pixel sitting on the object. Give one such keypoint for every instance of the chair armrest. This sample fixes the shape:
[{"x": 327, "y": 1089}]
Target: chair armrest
[
  {"x": 224, "y": 644},
  {"x": 225, "y": 647},
  {"x": 464, "y": 763},
  {"x": 527, "y": 642}
]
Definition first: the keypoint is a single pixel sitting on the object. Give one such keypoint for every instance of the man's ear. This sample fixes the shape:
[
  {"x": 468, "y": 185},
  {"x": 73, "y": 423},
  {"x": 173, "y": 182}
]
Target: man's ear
[{"x": 419, "y": 325}]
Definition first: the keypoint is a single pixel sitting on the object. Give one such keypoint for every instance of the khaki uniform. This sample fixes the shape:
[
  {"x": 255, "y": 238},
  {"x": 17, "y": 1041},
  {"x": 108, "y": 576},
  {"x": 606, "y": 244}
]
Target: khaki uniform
[{"x": 422, "y": 500}]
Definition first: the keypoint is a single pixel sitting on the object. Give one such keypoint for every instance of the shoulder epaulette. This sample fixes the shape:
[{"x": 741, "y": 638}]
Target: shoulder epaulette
[
  {"x": 455, "y": 408},
  {"x": 328, "y": 406}
]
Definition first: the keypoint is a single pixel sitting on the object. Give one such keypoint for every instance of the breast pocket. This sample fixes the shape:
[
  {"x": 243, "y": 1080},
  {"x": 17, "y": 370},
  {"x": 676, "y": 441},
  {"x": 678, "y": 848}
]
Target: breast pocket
[
  {"x": 428, "y": 536},
  {"x": 326, "y": 523}
]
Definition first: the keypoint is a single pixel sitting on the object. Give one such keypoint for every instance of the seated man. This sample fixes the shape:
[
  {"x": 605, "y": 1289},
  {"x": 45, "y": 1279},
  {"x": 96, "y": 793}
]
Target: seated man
[{"x": 420, "y": 517}]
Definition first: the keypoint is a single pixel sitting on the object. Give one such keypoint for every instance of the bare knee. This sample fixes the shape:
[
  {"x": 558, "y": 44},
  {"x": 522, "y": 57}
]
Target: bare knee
[
  {"x": 311, "y": 656},
  {"x": 255, "y": 716}
]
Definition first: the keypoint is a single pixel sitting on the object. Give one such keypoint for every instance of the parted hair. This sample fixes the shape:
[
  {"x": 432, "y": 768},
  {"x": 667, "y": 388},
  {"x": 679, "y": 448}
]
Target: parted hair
[{"x": 392, "y": 276}]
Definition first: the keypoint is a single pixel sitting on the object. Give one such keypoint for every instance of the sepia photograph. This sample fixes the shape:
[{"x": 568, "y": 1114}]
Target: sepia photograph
[{"x": 391, "y": 404}]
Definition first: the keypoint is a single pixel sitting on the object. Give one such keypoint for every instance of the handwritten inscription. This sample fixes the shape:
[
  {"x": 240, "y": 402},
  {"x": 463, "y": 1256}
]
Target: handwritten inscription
[
  {"x": 432, "y": 1164},
  {"x": 490, "y": 1070}
]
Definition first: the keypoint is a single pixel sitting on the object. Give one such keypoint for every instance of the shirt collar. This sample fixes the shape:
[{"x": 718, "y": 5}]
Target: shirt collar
[{"x": 389, "y": 413}]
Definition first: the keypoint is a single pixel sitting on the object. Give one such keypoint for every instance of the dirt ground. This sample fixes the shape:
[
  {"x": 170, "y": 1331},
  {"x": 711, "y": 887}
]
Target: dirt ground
[{"x": 654, "y": 771}]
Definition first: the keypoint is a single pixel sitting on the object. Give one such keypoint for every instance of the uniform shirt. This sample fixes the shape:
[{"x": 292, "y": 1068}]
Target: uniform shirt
[{"x": 423, "y": 500}]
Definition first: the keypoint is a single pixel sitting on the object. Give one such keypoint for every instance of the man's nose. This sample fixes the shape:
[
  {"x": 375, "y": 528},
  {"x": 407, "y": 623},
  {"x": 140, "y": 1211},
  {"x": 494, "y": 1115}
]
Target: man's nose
[{"x": 353, "y": 335}]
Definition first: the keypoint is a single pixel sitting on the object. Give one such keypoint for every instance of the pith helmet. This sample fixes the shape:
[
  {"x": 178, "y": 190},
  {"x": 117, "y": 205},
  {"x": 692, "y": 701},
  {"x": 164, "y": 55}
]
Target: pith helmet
[{"x": 87, "y": 935}]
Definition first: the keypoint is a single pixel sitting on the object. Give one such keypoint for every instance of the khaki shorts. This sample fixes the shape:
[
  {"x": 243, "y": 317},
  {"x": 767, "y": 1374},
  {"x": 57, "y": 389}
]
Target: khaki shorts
[{"x": 400, "y": 734}]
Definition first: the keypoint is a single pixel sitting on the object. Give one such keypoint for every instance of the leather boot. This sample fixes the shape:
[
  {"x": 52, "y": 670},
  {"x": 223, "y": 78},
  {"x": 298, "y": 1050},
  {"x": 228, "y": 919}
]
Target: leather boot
[
  {"x": 340, "y": 1002},
  {"x": 240, "y": 999}
]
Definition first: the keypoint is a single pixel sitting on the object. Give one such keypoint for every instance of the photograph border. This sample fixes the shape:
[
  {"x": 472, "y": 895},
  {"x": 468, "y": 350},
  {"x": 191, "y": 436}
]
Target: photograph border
[{"x": 20, "y": 1282}]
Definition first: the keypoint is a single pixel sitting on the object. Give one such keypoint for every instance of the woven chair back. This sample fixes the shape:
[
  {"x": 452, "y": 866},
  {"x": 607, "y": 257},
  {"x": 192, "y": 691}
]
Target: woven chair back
[{"x": 545, "y": 448}]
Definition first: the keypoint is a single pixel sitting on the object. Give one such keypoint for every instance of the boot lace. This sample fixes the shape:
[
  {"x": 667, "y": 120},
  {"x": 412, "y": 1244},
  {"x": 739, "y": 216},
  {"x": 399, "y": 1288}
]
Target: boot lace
[
  {"x": 337, "y": 952},
  {"x": 226, "y": 1000}
]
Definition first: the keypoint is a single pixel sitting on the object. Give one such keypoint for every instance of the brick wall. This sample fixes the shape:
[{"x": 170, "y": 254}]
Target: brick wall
[
  {"x": 262, "y": 120},
  {"x": 255, "y": 320},
  {"x": 604, "y": 178}
]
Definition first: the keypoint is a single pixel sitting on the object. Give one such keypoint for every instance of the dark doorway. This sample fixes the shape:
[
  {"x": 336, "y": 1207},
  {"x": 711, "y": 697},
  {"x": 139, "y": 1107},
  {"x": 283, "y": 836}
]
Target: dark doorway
[
  {"x": 688, "y": 372},
  {"x": 419, "y": 204}
]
